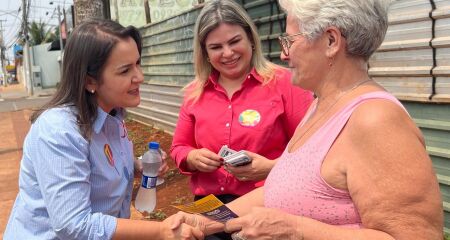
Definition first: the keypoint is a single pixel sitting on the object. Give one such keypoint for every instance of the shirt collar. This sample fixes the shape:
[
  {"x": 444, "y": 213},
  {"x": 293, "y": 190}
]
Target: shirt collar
[
  {"x": 102, "y": 116},
  {"x": 214, "y": 77}
]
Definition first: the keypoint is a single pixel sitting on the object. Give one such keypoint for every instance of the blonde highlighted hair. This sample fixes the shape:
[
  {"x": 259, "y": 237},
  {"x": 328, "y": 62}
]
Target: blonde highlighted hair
[{"x": 211, "y": 16}]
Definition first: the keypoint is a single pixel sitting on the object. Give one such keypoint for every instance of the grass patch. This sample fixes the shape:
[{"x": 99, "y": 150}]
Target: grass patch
[
  {"x": 179, "y": 200},
  {"x": 156, "y": 215}
]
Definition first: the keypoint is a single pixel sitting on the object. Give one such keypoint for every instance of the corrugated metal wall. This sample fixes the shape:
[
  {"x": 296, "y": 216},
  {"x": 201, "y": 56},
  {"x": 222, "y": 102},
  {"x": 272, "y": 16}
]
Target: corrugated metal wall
[
  {"x": 168, "y": 66},
  {"x": 434, "y": 119},
  {"x": 441, "y": 42},
  {"x": 413, "y": 63},
  {"x": 404, "y": 61}
]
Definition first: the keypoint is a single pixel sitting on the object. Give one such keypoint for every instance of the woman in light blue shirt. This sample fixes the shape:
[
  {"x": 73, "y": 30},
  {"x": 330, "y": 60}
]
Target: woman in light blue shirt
[{"x": 76, "y": 174}]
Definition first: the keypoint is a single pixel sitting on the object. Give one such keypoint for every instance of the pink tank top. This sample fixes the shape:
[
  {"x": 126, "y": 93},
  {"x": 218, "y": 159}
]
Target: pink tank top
[{"x": 295, "y": 184}]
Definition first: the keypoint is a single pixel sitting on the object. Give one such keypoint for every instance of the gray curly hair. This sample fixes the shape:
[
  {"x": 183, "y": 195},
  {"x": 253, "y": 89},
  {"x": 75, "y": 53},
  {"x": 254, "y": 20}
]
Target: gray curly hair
[{"x": 362, "y": 22}]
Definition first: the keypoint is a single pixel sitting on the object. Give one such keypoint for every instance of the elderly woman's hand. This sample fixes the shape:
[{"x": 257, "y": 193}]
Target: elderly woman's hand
[
  {"x": 264, "y": 223},
  {"x": 257, "y": 170},
  {"x": 184, "y": 225}
]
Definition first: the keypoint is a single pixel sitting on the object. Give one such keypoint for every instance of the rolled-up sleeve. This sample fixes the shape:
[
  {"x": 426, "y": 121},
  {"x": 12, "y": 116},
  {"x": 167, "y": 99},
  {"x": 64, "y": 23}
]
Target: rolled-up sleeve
[{"x": 63, "y": 172}]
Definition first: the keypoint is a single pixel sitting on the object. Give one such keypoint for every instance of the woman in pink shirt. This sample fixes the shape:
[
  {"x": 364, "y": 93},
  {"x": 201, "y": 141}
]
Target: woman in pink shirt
[
  {"x": 357, "y": 167},
  {"x": 238, "y": 99}
]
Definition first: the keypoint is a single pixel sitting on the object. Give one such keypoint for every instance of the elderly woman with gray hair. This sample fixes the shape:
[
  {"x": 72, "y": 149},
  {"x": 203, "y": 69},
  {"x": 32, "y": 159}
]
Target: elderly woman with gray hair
[{"x": 356, "y": 167}]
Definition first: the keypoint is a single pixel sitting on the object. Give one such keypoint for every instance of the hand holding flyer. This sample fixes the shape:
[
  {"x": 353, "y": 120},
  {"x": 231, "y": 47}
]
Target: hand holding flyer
[{"x": 210, "y": 207}]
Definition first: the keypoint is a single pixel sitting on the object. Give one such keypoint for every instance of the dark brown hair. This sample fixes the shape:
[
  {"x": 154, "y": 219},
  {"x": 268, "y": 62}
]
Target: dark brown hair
[{"x": 86, "y": 53}]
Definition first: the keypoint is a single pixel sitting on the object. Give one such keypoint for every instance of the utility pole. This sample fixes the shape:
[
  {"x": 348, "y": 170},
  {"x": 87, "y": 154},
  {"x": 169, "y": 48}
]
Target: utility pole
[
  {"x": 24, "y": 21},
  {"x": 2, "y": 52},
  {"x": 61, "y": 48},
  {"x": 61, "y": 44},
  {"x": 26, "y": 49},
  {"x": 85, "y": 9}
]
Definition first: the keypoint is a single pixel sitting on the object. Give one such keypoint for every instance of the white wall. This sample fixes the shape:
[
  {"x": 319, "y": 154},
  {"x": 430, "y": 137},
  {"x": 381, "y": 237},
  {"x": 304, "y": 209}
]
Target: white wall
[{"x": 48, "y": 61}]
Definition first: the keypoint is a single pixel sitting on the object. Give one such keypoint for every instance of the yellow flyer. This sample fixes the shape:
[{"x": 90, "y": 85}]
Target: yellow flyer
[{"x": 210, "y": 207}]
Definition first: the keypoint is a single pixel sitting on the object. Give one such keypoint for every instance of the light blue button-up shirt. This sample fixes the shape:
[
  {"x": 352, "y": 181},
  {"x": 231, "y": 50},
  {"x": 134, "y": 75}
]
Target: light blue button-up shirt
[{"x": 69, "y": 187}]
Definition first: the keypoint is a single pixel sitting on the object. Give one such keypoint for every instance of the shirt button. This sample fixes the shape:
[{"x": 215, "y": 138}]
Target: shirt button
[
  {"x": 222, "y": 189},
  {"x": 229, "y": 106},
  {"x": 227, "y": 125},
  {"x": 248, "y": 77}
]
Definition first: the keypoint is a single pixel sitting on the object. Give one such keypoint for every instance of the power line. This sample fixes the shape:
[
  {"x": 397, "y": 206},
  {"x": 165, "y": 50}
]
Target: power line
[{"x": 13, "y": 32}]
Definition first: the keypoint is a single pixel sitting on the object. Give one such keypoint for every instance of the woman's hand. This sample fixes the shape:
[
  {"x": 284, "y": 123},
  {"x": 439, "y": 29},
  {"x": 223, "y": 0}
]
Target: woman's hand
[
  {"x": 161, "y": 171},
  {"x": 265, "y": 223},
  {"x": 184, "y": 225},
  {"x": 257, "y": 170},
  {"x": 137, "y": 165},
  {"x": 164, "y": 166},
  {"x": 203, "y": 160}
]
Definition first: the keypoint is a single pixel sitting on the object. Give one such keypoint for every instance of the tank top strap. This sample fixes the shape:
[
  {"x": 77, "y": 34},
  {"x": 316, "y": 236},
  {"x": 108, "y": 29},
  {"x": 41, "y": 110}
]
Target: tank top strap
[{"x": 332, "y": 128}]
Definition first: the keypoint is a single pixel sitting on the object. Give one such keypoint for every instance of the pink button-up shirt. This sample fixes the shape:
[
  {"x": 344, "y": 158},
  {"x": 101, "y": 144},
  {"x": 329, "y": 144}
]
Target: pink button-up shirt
[{"x": 257, "y": 118}]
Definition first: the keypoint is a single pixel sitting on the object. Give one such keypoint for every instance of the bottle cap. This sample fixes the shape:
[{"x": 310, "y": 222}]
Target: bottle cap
[{"x": 153, "y": 145}]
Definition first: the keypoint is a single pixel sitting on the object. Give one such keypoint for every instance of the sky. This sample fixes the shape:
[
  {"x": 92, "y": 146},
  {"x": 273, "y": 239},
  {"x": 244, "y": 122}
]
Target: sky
[{"x": 11, "y": 18}]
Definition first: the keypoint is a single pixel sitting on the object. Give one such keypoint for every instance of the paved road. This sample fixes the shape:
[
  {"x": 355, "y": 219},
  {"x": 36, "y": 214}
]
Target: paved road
[
  {"x": 13, "y": 128},
  {"x": 8, "y": 105}
]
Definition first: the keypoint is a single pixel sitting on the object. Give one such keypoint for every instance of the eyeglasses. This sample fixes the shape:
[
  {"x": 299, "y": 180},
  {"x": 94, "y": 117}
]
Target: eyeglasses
[{"x": 286, "y": 42}]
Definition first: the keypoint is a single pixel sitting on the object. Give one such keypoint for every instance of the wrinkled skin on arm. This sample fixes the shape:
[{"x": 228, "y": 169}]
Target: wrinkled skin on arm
[{"x": 387, "y": 172}]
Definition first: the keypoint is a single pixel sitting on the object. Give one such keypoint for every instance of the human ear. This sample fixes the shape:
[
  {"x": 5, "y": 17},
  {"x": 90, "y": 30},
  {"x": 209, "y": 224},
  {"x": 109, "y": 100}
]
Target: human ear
[
  {"x": 334, "y": 40},
  {"x": 91, "y": 84}
]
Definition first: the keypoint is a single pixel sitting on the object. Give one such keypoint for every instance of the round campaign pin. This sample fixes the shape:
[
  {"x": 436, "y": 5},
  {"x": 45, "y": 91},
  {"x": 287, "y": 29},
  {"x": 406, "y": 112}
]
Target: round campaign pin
[
  {"x": 108, "y": 154},
  {"x": 249, "y": 118}
]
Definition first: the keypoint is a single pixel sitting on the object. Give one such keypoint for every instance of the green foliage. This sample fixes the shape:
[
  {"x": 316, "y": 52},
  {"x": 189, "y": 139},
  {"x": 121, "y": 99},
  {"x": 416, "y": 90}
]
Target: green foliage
[
  {"x": 171, "y": 174},
  {"x": 39, "y": 33},
  {"x": 179, "y": 200},
  {"x": 446, "y": 236},
  {"x": 156, "y": 215}
]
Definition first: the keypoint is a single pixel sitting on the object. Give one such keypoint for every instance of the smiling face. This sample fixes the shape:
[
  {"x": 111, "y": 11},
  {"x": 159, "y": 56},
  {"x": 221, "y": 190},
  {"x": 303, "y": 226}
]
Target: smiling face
[
  {"x": 230, "y": 51},
  {"x": 120, "y": 77},
  {"x": 307, "y": 59}
]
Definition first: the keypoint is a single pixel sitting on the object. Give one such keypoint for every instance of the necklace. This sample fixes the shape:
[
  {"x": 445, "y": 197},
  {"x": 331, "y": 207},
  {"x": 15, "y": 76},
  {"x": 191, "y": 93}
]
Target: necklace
[{"x": 342, "y": 94}]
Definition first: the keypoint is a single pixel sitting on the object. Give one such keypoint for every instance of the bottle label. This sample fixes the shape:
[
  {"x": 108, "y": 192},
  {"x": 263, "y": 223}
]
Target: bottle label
[{"x": 148, "y": 182}]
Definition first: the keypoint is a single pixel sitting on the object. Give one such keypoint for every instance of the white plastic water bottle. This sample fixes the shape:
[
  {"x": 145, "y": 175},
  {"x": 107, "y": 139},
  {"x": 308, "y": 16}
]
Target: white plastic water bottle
[{"x": 151, "y": 162}]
